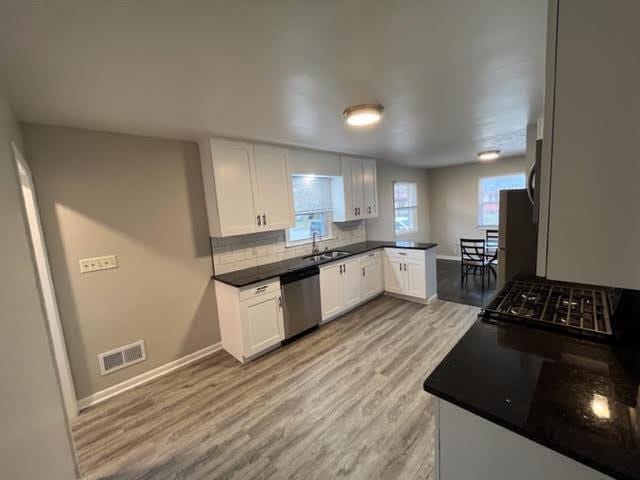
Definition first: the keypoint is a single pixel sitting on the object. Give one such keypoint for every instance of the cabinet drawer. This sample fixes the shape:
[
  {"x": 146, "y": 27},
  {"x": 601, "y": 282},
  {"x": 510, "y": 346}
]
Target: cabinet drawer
[
  {"x": 405, "y": 253},
  {"x": 370, "y": 257},
  {"x": 262, "y": 288}
]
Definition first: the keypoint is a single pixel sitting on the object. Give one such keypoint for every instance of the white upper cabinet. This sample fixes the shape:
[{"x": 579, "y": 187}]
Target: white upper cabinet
[
  {"x": 247, "y": 187},
  {"x": 589, "y": 228},
  {"x": 369, "y": 188},
  {"x": 227, "y": 175},
  {"x": 355, "y": 194},
  {"x": 272, "y": 188}
]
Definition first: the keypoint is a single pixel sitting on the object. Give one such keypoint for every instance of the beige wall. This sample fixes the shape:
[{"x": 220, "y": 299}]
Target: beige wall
[
  {"x": 34, "y": 441},
  {"x": 141, "y": 199},
  {"x": 383, "y": 227},
  {"x": 453, "y": 194}
]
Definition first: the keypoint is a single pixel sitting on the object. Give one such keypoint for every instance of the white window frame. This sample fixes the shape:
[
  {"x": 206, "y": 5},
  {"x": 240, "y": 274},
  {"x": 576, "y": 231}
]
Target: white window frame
[
  {"x": 393, "y": 199},
  {"x": 480, "y": 203},
  {"x": 295, "y": 243}
]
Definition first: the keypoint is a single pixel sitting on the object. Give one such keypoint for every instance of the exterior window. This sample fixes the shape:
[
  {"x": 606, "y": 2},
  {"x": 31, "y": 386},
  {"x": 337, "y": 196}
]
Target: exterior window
[
  {"x": 405, "y": 203},
  {"x": 489, "y": 196},
  {"x": 313, "y": 209}
]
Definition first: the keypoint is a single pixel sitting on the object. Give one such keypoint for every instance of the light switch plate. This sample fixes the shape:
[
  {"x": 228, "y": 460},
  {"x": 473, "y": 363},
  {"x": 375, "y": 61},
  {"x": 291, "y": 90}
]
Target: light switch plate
[{"x": 98, "y": 263}]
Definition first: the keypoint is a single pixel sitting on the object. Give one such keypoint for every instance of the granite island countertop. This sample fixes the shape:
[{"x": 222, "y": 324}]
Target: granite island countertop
[
  {"x": 247, "y": 276},
  {"x": 578, "y": 397}
]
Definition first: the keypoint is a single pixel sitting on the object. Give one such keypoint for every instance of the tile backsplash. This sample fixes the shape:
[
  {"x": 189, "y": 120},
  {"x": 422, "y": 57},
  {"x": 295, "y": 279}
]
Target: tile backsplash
[{"x": 244, "y": 251}]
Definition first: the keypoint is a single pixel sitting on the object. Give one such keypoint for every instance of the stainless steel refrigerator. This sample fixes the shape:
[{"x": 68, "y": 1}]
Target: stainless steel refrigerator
[{"x": 517, "y": 236}]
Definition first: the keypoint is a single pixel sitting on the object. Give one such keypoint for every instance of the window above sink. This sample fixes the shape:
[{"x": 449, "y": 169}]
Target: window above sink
[{"x": 313, "y": 210}]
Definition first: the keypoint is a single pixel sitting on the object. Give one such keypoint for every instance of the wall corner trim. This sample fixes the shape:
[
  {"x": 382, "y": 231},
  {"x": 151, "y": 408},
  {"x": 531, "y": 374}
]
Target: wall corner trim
[{"x": 143, "y": 378}]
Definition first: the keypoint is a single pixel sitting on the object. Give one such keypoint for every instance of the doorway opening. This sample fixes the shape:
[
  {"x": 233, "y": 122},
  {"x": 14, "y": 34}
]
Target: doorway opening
[{"x": 47, "y": 292}]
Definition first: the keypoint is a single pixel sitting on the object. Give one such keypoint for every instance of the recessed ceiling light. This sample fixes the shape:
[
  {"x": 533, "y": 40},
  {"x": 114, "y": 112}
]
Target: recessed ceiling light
[
  {"x": 488, "y": 155},
  {"x": 363, "y": 115}
]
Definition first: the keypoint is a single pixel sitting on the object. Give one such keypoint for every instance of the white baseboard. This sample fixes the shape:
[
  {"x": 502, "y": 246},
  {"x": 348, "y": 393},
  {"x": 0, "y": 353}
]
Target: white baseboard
[
  {"x": 102, "y": 395},
  {"x": 447, "y": 257}
]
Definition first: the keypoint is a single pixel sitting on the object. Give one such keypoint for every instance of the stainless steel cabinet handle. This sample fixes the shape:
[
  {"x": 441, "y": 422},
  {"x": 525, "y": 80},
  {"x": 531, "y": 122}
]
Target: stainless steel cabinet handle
[
  {"x": 344, "y": 268},
  {"x": 369, "y": 209},
  {"x": 261, "y": 289},
  {"x": 363, "y": 272},
  {"x": 264, "y": 219},
  {"x": 340, "y": 268},
  {"x": 355, "y": 211},
  {"x": 402, "y": 253},
  {"x": 280, "y": 302},
  {"x": 400, "y": 267},
  {"x": 259, "y": 220}
]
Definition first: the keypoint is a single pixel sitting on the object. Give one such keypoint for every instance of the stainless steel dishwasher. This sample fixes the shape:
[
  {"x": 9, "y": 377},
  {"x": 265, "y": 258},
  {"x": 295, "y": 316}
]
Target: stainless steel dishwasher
[{"x": 300, "y": 301}]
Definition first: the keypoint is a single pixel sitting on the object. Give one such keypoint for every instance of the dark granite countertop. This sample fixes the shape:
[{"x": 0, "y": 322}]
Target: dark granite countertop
[
  {"x": 260, "y": 273},
  {"x": 578, "y": 397}
]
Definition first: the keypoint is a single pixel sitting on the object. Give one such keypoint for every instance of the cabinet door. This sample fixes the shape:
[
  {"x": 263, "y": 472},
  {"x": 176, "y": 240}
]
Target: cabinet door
[
  {"x": 351, "y": 278},
  {"x": 357, "y": 187},
  {"x": 394, "y": 275},
  {"x": 370, "y": 189},
  {"x": 331, "y": 291},
  {"x": 593, "y": 228},
  {"x": 272, "y": 188},
  {"x": 232, "y": 171},
  {"x": 262, "y": 323},
  {"x": 416, "y": 279},
  {"x": 372, "y": 282}
]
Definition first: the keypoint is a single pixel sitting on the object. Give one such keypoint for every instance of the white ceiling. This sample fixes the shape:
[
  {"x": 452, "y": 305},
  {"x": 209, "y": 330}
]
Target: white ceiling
[{"x": 454, "y": 76}]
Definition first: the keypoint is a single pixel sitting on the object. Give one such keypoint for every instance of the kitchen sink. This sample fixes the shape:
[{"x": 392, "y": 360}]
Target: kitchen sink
[
  {"x": 325, "y": 256},
  {"x": 336, "y": 254}
]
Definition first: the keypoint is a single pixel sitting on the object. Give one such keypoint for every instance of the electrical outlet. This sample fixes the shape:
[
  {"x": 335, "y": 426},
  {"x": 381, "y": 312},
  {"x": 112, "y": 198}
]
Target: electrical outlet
[{"x": 98, "y": 263}]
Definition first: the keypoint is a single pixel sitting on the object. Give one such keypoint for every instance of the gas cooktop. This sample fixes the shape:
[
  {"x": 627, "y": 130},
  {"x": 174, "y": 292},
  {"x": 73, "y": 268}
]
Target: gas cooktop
[{"x": 579, "y": 309}]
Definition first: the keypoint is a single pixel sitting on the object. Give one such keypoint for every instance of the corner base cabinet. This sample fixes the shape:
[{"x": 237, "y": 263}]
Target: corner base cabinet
[
  {"x": 410, "y": 272},
  {"x": 251, "y": 321}
]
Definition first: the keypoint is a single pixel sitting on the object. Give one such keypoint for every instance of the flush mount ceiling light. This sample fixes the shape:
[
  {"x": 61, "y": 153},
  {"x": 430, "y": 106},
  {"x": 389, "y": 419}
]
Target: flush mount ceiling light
[
  {"x": 363, "y": 115},
  {"x": 488, "y": 155}
]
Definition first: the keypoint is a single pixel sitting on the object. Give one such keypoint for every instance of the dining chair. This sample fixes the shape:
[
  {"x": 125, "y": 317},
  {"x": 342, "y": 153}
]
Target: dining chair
[
  {"x": 491, "y": 236},
  {"x": 473, "y": 257}
]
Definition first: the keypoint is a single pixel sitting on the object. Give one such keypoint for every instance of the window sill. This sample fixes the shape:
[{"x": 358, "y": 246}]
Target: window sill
[
  {"x": 405, "y": 233},
  {"x": 487, "y": 227}
]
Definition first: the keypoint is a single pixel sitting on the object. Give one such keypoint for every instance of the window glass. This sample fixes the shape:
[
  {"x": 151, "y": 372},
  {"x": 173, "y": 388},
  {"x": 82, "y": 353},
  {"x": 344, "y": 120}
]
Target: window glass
[
  {"x": 405, "y": 203},
  {"x": 489, "y": 196},
  {"x": 313, "y": 209}
]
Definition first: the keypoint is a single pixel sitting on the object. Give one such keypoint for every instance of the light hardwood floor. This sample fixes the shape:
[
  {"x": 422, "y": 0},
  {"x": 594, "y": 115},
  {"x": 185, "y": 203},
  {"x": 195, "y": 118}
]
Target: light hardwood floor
[{"x": 343, "y": 402}]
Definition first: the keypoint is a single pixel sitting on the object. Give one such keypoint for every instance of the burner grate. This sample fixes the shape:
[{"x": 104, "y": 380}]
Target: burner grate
[{"x": 565, "y": 306}]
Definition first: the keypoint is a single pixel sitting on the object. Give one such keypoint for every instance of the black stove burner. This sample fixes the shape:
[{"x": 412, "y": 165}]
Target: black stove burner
[{"x": 584, "y": 309}]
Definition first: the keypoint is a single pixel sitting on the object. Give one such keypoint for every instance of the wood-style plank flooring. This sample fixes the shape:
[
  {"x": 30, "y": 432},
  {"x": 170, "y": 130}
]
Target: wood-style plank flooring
[{"x": 345, "y": 401}]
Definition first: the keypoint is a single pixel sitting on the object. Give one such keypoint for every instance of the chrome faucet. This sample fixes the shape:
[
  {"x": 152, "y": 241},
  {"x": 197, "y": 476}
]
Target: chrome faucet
[{"x": 315, "y": 249}]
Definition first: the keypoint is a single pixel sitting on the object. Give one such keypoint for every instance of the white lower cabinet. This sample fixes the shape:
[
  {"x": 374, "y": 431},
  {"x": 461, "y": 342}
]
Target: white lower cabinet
[
  {"x": 331, "y": 297},
  {"x": 416, "y": 279},
  {"x": 372, "y": 282},
  {"x": 351, "y": 282},
  {"x": 251, "y": 320},
  {"x": 410, "y": 272},
  {"x": 343, "y": 285},
  {"x": 394, "y": 276}
]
